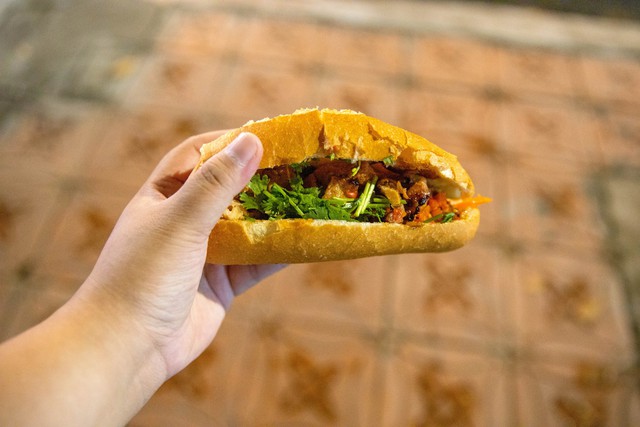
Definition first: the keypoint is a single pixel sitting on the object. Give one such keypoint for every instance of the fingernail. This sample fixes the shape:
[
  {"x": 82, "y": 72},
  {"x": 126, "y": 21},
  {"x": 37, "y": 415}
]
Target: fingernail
[{"x": 243, "y": 148}]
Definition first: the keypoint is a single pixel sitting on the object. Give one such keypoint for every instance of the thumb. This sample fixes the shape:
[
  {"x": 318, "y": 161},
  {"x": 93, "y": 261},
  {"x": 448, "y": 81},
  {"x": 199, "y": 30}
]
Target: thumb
[{"x": 209, "y": 190}]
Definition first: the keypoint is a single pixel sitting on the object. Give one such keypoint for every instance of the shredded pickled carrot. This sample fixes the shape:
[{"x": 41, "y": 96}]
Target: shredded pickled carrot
[{"x": 471, "y": 202}]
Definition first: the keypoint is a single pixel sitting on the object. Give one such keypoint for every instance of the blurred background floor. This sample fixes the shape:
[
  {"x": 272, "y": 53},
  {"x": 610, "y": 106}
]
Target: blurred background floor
[{"x": 535, "y": 323}]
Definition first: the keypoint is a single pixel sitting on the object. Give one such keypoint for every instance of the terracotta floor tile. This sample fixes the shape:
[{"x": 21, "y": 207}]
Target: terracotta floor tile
[
  {"x": 429, "y": 109},
  {"x": 551, "y": 204},
  {"x": 210, "y": 391},
  {"x": 102, "y": 71},
  {"x": 137, "y": 140},
  {"x": 32, "y": 307},
  {"x": 542, "y": 72},
  {"x": 177, "y": 82},
  {"x": 249, "y": 93},
  {"x": 304, "y": 378},
  {"x": 28, "y": 200},
  {"x": 454, "y": 60},
  {"x": 300, "y": 43},
  {"x": 616, "y": 81},
  {"x": 429, "y": 387},
  {"x": 203, "y": 35},
  {"x": 55, "y": 134},
  {"x": 550, "y": 131},
  {"x": 375, "y": 52},
  {"x": 570, "y": 305},
  {"x": 165, "y": 410},
  {"x": 351, "y": 292},
  {"x": 584, "y": 392},
  {"x": 81, "y": 233},
  {"x": 450, "y": 296},
  {"x": 362, "y": 92},
  {"x": 620, "y": 139},
  {"x": 8, "y": 306}
]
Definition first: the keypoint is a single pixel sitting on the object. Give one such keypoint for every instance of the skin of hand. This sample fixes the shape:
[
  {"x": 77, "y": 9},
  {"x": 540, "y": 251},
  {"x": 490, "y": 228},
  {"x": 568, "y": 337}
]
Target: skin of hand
[{"x": 149, "y": 307}]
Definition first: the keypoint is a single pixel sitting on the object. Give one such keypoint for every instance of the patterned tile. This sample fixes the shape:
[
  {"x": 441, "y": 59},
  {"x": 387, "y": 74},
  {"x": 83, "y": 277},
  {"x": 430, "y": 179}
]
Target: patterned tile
[
  {"x": 550, "y": 131},
  {"x": 177, "y": 81},
  {"x": 304, "y": 378},
  {"x": 616, "y": 81},
  {"x": 454, "y": 60},
  {"x": 210, "y": 391},
  {"x": 28, "y": 202},
  {"x": 429, "y": 387},
  {"x": 31, "y": 307},
  {"x": 620, "y": 139},
  {"x": 204, "y": 35},
  {"x": 137, "y": 140},
  {"x": 298, "y": 44},
  {"x": 584, "y": 392},
  {"x": 80, "y": 235},
  {"x": 55, "y": 135},
  {"x": 430, "y": 109},
  {"x": 552, "y": 204},
  {"x": 570, "y": 305},
  {"x": 376, "y": 52},
  {"x": 250, "y": 93},
  {"x": 341, "y": 292},
  {"x": 539, "y": 72},
  {"x": 362, "y": 92},
  {"x": 453, "y": 296}
]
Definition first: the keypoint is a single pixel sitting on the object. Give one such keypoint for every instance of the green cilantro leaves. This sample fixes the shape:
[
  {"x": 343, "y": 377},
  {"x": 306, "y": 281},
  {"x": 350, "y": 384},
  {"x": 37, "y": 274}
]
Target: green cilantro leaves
[
  {"x": 443, "y": 217},
  {"x": 277, "y": 202}
]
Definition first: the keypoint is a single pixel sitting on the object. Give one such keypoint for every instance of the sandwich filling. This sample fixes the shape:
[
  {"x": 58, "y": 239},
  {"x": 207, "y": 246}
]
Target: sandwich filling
[{"x": 337, "y": 189}]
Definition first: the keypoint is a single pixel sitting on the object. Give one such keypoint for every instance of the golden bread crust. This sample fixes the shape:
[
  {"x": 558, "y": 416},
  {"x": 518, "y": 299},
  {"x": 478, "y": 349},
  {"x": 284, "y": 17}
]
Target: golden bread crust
[
  {"x": 347, "y": 134},
  {"x": 301, "y": 240}
]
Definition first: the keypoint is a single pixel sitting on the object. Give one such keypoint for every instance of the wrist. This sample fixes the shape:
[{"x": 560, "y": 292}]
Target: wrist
[
  {"x": 85, "y": 365},
  {"x": 104, "y": 328}
]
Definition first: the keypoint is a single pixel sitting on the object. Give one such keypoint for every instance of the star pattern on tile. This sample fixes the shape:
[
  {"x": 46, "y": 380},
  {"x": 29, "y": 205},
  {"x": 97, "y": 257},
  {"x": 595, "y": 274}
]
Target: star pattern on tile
[
  {"x": 585, "y": 404},
  {"x": 97, "y": 227},
  {"x": 447, "y": 288},
  {"x": 336, "y": 279},
  {"x": 151, "y": 141},
  {"x": 445, "y": 403},
  {"x": 558, "y": 201},
  {"x": 175, "y": 74},
  {"x": 571, "y": 301},
  {"x": 195, "y": 382},
  {"x": 43, "y": 131},
  {"x": 310, "y": 384}
]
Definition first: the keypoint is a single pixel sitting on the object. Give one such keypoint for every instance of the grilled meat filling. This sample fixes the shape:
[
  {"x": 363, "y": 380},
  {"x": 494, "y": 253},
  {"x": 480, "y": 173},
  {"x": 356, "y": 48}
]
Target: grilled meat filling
[{"x": 364, "y": 191}]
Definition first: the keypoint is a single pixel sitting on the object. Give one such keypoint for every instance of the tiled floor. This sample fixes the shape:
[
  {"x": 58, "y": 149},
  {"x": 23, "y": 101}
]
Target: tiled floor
[{"x": 536, "y": 322}]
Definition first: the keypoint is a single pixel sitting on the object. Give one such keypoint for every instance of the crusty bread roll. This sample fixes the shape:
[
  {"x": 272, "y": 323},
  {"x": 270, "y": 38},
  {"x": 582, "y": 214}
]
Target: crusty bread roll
[{"x": 343, "y": 134}]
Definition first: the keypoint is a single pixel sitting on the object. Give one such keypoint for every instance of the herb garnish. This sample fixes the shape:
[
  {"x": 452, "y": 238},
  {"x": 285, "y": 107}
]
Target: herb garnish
[
  {"x": 277, "y": 202},
  {"x": 355, "y": 170},
  {"x": 442, "y": 218}
]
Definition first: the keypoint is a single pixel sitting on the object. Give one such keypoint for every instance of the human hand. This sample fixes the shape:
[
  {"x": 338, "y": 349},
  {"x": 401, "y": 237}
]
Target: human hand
[
  {"x": 153, "y": 265},
  {"x": 149, "y": 307}
]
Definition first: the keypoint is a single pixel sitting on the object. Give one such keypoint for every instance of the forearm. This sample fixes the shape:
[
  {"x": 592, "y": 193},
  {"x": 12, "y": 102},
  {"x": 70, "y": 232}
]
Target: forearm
[{"x": 83, "y": 366}]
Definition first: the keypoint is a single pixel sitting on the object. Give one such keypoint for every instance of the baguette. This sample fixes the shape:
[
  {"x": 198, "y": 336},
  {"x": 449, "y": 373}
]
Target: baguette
[{"x": 318, "y": 135}]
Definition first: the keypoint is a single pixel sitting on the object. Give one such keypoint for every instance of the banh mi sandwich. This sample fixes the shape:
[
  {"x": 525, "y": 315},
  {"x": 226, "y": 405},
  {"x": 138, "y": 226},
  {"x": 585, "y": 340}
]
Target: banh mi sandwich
[{"x": 337, "y": 184}]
